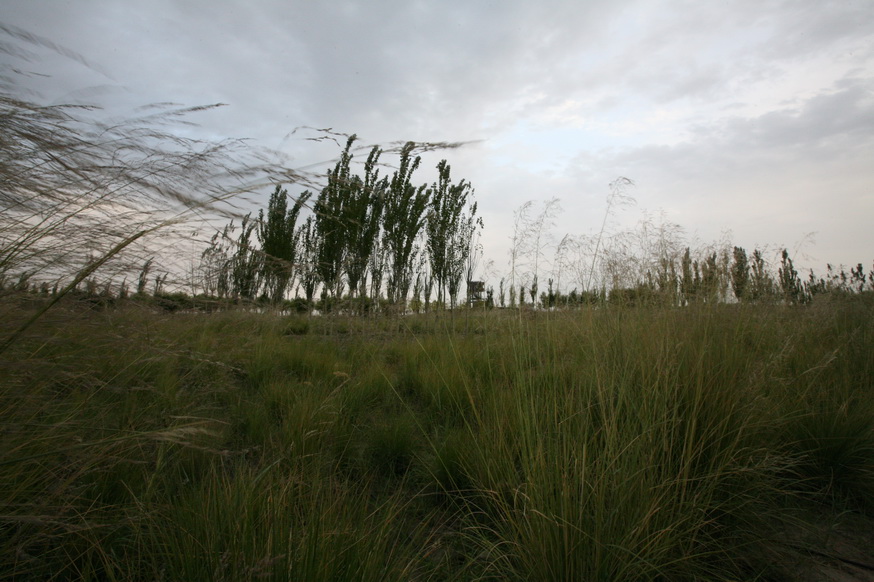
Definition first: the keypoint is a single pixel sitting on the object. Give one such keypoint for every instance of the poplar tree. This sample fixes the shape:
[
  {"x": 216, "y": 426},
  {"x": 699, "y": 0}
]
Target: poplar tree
[
  {"x": 330, "y": 209},
  {"x": 363, "y": 213},
  {"x": 666, "y": 281},
  {"x": 245, "y": 264},
  {"x": 689, "y": 280},
  {"x": 761, "y": 285},
  {"x": 376, "y": 267},
  {"x": 443, "y": 225},
  {"x": 710, "y": 278},
  {"x": 461, "y": 249},
  {"x": 278, "y": 237},
  {"x": 308, "y": 260},
  {"x": 790, "y": 284},
  {"x": 405, "y": 206},
  {"x": 215, "y": 265},
  {"x": 740, "y": 273}
]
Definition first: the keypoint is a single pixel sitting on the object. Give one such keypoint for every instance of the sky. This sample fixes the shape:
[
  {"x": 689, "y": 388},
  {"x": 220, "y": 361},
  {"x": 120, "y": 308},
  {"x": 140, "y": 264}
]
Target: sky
[{"x": 742, "y": 121}]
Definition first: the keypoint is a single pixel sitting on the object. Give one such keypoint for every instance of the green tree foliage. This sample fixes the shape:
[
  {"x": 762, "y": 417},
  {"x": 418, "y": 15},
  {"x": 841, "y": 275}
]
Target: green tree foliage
[
  {"x": 279, "y": 240},
  {"x": 363, "y": 215},
  {"x": 840, "y": 282},
  {"x": 446, "y": 224},
  {"x": 666, "y": 281},
  {"x": 790, "y": 284},
  {"x": 858, "y": 278},
  {"x": 533, "y": 291},
  {"x": 405, "y": 206},
  {"x": 245, "y": 265},
  {"x": 710, "y": 278},
  {"x": 761, "y": 285},
  {"x": 376, "y": 267},
  {"x": 427, "y": 284},
  {"x": 463, "y": 243},
  {"x": 740, "y": 273},
  {"x": 360, "y": 226},
  {"x": 348, "y": 216},
  {"x": 308, "y": 260},
  {"x": 143, "y": 277},
  {"x": 690, "y": 281},
  {"x": 331, "y": 209},
  {"x": 215, "y": 266}
]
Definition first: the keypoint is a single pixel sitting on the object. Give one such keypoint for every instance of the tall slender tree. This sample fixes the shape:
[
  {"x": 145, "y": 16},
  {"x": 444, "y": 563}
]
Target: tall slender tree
[
  {"x": 245, "y": 263},
  {"x": 790, "y": 284},
  {"x": 362, "y": 217},
  {"x": 740, "y": 273},
  {"x": 376, "y": 267},
  {"x": 463, "y": 247},
  {"x": 710, "y": 278},
  {"x": 443, "y": 223},
  {"x": 331, "y": 208},
  {"x": 405, "y": 206},
  {"x": 761, "y": 287},
  {"x": 215, "y": 266},
  {"x": 689, "y": 279},
  {"x": 308, "y": 261},
  {"x": 277, "y": 234},
  {"x": 474, "y": 252}
]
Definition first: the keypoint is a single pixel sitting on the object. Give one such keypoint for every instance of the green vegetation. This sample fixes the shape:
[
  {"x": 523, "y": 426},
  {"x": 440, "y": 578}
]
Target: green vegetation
[
  {"x": 610, "y": 443},
  {"x": 678, "y": 415},
  {"x": 383, "y": 228}
]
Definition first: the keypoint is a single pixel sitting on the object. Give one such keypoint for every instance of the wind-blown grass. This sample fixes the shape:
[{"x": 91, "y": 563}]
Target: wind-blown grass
[{"x": 610, "y": 444}]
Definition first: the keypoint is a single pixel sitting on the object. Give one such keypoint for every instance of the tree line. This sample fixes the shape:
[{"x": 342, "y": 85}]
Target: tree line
[
  {"x": 731, "y": 275},
  {"x": 369, "y": 242},
  {"x": 648, "y": 264}
]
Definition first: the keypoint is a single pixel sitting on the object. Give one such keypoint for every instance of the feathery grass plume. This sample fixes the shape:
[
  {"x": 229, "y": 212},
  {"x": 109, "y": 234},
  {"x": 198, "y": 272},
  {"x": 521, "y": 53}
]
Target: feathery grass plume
[
  {"x": 82, "y": 190},
  {"x": 617, "y": 198},
  {"x": 77, "y": 191}
]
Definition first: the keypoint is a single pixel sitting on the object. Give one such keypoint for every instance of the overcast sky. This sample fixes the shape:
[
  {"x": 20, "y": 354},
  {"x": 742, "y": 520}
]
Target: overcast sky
[{"x": 754, "y": 117}]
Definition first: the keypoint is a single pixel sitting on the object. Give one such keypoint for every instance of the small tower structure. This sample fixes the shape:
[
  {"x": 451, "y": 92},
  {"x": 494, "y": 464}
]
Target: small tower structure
[{"x": 475, "y": 290}]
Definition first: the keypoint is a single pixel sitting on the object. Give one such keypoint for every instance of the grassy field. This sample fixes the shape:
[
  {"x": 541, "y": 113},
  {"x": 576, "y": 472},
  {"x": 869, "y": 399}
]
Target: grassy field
[{"x": 705, "y": 443}]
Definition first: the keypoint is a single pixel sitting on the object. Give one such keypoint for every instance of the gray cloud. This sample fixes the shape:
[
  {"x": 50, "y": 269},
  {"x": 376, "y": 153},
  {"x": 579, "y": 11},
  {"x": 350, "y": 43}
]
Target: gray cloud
[
  {"x": 725, "y": 114},
  {"x": 773, "y": 178}
]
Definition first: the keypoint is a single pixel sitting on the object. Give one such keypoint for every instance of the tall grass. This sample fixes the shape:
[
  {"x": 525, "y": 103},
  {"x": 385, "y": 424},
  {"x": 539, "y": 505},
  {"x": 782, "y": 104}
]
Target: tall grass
[
  {"x": 613, "y": 455},
  {"x": 609, "y": 444}
]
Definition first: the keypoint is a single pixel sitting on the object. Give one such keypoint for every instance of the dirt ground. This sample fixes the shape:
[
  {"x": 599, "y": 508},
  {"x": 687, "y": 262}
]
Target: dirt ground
[{"x": 826, "y": 548}]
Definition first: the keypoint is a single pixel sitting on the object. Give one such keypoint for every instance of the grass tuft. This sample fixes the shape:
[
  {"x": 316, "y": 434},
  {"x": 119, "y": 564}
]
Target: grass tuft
[{"x": 610, "y": 444}]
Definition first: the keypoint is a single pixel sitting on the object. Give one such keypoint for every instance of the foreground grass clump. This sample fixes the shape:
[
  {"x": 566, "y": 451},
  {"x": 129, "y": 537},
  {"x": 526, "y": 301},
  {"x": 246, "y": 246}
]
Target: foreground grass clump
[{"x": 609, "y": 444}]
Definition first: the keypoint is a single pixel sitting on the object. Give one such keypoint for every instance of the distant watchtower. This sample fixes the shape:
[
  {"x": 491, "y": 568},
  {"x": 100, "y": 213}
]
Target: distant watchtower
[{"x": 475, "y": 290}]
